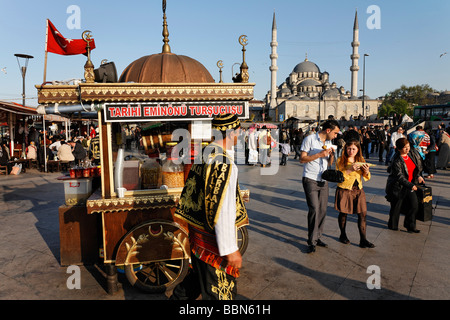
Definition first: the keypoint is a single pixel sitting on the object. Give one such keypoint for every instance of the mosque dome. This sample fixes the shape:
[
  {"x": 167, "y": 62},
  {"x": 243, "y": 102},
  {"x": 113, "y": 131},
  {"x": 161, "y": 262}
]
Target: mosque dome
[
  {"x": 166, "y": 68},
  {"x": 306, "y": 66}
]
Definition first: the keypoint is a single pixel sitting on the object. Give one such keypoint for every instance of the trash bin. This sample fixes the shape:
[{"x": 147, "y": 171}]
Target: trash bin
[{"x": 77, "y": 191}]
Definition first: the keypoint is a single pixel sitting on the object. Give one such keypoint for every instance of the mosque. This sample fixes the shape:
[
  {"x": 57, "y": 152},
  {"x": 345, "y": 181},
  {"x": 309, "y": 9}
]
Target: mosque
[{"x": 307, "y": 93}]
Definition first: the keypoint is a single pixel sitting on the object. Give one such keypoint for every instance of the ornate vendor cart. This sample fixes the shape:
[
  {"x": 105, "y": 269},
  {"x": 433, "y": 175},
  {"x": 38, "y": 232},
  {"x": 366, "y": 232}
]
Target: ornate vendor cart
[{"x": 130, "y": 216}]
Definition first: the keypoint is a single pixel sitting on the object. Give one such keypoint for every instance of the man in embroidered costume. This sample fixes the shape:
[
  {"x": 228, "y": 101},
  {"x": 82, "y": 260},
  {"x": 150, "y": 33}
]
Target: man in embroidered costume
[{"x": 212, "y": 205}]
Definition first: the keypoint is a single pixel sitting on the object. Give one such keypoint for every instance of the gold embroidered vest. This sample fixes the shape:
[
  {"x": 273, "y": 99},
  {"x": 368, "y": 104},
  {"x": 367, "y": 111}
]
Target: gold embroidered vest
[{"x": 201, "y": 201}]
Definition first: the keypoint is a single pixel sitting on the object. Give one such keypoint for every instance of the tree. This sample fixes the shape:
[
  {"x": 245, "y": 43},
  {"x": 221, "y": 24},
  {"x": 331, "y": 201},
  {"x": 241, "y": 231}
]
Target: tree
[
  {"x": 403, "y": 99},
  {"x": 399, "y": 106},
  {"x": 385, "y": 110}
]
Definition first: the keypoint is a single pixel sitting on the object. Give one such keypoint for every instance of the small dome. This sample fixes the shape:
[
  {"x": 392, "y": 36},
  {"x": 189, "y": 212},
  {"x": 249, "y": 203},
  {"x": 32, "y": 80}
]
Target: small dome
[
  {"x": 306, "y": 66},
  {"x": 166, "y": 68},
  {"x": 332, "y": 93}
]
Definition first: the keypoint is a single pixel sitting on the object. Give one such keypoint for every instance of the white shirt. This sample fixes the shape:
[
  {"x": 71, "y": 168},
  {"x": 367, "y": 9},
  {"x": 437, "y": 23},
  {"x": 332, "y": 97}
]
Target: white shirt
[
  {"x": 252, "y": 140},
  {"x": 386, "y": 134},
  {"x": 395, "y": 136},
  {"x": 312, "y": 145},
  {"x": 56, "y": 144},
  {"x": 225, "y": 227},
  {"x": 262, "y": 144}
]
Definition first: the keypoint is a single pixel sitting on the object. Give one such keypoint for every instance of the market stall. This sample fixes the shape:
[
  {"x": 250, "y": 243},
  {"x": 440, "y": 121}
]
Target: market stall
[
  {"x": 153, "y": 124},
  {"x": 16, "y": 124}
]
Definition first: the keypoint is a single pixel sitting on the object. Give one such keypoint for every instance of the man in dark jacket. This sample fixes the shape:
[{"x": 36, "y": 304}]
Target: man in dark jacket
[
  {"x": 4, "y": 156},
  {"x": 78, "y": 151},
  {"x": 297, "y": 142},
  {"x": 351, "y": 133},
  {"x": 384, "y": 140}
]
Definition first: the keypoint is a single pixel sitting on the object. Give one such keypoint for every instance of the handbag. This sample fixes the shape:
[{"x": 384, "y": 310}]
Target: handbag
[{"x": 333, "y": 176}]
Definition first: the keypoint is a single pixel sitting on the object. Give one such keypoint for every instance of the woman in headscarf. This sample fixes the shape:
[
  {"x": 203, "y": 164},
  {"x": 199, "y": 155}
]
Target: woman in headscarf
[
  {"x": 416, "y": 139},
  {"x": 444, "y": 152},
  {"x": 430, "y": 157}
]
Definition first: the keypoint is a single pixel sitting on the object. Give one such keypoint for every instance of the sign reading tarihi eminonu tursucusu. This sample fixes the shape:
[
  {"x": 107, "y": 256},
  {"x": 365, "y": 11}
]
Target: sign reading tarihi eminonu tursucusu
[{"x": 172, "y": 111}]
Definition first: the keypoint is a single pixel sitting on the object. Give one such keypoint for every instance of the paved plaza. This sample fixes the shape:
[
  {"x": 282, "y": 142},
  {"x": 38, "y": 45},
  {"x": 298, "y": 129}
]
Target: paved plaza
[{"x": 276, "y": 265}]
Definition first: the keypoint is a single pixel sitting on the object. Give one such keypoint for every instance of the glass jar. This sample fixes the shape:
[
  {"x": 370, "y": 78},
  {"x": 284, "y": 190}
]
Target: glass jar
[
  {"x": 172, "y": 171},
  {"x": 151, "y": 175}
]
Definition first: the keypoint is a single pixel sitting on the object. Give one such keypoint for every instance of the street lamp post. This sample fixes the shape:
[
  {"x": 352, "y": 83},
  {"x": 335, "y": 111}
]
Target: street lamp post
[
  {"x": 364, "y": 85},
  {"x": 320, "y": 98},
  {"x": 23, "y": 70}
]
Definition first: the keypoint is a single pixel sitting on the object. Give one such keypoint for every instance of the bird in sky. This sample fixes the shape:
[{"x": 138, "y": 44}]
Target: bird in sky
[
  {"x": 442, "y": 54},
  {"x": 4, "y": 70}
]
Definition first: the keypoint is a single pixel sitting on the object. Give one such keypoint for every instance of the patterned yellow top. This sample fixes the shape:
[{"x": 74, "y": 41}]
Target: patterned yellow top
[{"x": 351, "y": 177}]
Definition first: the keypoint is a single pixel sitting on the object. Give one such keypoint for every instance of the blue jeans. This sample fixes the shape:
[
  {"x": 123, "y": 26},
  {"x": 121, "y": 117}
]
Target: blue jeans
[{"x": 390, "y": 155}]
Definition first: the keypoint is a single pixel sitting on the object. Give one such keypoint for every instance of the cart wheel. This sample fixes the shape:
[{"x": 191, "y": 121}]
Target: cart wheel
[
  {"x": 242, "y": 239},
  {"x": 157, "y": 277}
]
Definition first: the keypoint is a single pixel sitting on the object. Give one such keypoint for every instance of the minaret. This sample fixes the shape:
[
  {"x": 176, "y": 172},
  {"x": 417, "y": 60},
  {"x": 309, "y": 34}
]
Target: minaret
[
  {"x": 355, "y": 57},
  {"x": 273, "y": 67}
]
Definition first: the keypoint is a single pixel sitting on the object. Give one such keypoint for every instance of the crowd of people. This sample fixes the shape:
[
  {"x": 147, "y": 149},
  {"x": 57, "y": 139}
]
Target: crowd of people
[
  {"x": 259, "y": 145},
  {"x": 41, "y": 145},
  {"x": 377, "y": 142},
  {"x": 410, "y": 158}
]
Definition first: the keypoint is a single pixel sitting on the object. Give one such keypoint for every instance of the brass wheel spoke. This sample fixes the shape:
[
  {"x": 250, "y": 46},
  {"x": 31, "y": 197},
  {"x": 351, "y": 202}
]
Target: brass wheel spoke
[
  {"x": 166, "y": 271},
  {"x": 173, "y": 266}
]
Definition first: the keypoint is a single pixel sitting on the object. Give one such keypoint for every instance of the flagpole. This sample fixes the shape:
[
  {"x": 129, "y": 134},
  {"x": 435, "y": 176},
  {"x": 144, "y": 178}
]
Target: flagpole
[{"x": 46, "y": 53}]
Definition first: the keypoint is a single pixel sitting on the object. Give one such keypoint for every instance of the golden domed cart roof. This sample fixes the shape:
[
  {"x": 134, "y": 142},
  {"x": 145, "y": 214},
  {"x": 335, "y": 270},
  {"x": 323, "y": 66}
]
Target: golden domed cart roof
[{"x": 166, "y": 68}]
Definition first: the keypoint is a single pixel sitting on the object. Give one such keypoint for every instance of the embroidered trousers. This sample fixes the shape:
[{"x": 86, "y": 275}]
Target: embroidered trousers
[{"x": 207, "y": 281}]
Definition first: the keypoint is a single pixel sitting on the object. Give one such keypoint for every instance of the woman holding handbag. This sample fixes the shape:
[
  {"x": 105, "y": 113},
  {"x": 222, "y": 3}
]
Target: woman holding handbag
[
  {"x": 401, "y": 186},
  {"x": 350, "y": 197}
]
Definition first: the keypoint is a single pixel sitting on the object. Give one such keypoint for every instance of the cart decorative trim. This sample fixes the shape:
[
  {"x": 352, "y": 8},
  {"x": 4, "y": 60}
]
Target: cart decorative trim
[
  {"x": 131, "y": 203},
  {"x": 134, "y": 92}
]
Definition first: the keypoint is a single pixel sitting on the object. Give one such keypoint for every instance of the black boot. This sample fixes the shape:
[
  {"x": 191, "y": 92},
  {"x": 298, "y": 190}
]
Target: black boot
[
  {"x": 342, "y": 222},
  {"x": 363, "y": 242}
]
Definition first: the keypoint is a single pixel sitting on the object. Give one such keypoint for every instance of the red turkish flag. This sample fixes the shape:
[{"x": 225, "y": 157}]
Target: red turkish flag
[{"x": 56, "y": 43}]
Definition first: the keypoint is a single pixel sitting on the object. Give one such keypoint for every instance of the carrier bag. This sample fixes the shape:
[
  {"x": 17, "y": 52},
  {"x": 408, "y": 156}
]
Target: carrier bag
[{"x": 424, "y": 196}]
